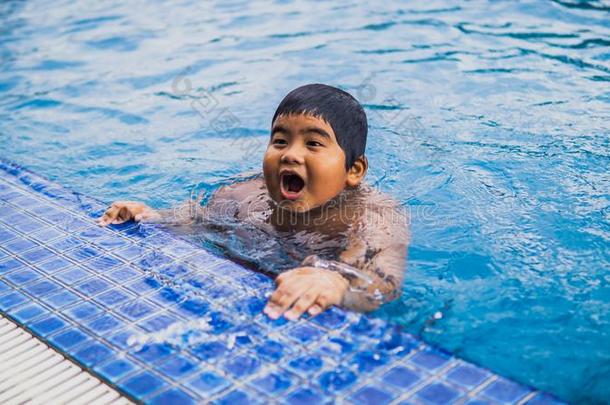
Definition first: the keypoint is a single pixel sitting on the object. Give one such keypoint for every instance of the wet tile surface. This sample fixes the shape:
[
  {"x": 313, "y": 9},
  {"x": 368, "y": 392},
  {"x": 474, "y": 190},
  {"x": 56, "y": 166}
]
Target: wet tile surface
[{"x": 168, "y": 322}]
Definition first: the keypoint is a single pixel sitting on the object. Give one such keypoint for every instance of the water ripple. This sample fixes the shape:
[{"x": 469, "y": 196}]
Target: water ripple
[{"x": 488, "y": 121}]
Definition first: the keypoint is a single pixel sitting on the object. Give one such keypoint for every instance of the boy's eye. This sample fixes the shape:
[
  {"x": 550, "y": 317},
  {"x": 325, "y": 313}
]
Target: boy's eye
[
  {"x": 279, "y": 141},
  {"x": 314, "y": 143}
]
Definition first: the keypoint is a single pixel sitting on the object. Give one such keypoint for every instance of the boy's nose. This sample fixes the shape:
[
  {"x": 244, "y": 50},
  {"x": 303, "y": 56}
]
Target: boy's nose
[{"x": 293, "y": 155}]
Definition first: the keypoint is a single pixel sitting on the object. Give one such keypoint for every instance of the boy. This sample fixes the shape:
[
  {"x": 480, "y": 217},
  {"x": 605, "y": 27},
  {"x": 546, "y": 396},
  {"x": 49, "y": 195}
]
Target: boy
[{"x": 311, "y": 197}]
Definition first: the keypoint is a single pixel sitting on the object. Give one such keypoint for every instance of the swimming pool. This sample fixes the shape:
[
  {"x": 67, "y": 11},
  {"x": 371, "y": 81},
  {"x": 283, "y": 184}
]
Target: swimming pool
[{"x": 489, "y": 121}]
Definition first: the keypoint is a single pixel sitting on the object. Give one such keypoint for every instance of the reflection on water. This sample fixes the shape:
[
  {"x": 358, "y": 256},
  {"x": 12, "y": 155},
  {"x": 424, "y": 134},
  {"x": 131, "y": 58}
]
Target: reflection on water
[{"x": 489, "y": 123}]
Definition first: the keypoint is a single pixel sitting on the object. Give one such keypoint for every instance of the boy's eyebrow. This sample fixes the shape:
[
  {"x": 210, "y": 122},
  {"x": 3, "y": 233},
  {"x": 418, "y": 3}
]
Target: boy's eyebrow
[
  {"x": 279, "y": 128},
  {"x": 318, "y": 131}
]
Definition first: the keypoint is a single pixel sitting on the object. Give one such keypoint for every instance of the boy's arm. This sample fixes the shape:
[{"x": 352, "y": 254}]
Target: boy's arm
[
  {"x": 379, "y": 254},
  {"x": 224, "y": 201},
  {"x": 369, "y": 272}
]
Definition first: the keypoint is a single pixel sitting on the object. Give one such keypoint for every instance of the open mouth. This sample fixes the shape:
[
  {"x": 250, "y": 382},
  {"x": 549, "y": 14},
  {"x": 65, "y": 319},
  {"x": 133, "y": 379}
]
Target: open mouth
[{"x": 291, "y": 185}]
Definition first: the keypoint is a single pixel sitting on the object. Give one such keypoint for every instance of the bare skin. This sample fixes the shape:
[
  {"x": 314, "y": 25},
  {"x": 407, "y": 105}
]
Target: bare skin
[{"x": 326, "y": 199}]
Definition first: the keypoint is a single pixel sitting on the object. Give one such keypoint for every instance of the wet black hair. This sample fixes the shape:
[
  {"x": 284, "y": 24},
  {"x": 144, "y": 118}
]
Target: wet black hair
[{"x": 335, "y": 106}]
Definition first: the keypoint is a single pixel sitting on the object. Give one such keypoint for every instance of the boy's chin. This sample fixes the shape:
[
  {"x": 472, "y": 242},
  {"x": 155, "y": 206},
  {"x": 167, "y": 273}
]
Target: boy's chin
[{"x": 295, "y": 206}]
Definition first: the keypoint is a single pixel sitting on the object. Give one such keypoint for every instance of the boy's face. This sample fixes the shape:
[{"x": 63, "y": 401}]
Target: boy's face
[{"x": 304, "y": 166}]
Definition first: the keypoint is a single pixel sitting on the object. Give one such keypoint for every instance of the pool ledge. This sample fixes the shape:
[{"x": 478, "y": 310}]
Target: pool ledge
[{"x": 164, "y": 321}]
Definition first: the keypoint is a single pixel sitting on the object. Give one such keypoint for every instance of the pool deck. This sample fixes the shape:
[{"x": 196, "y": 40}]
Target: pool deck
[{"x": 95, "y": 293}]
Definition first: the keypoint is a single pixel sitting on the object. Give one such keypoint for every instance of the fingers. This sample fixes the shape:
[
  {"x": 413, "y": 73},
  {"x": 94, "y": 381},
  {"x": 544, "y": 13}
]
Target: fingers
[
  {"x": 110, "y": 215},
  {"x": 122, "y": 211},
  {"x": 281, "y": 300},
  {"x": 303, "y": 304},
  {"x": 314, "y": 310}
]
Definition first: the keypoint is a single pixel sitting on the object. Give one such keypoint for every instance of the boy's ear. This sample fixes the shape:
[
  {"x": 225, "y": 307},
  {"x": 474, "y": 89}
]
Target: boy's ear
[{"x": 356, "y": 173}]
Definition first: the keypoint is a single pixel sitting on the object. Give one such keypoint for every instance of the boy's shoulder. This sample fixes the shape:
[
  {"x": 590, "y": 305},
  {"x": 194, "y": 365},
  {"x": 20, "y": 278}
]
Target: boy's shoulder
[
  {"x": 241, "y": 190},
  {"x": 380, "y": 213},
  {"x": 239, "y": 197}
]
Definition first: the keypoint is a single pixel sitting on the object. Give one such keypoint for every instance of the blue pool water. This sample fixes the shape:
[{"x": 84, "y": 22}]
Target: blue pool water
[{"x": 489, "y": 122}]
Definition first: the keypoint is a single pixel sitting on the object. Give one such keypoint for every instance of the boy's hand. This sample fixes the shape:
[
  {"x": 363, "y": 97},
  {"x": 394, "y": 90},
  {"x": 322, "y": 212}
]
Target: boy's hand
[
  {"x": 305, "y": 289},
  {"x": 122, "y": 211}
]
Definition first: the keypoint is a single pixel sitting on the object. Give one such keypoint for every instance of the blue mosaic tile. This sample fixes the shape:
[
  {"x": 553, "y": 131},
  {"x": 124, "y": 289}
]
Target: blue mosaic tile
[
  {"x": 305, "y": 333},
  {"x": 467, "y": 375},
  {"x": 165, "y": 297},
  {"x": 83, "y": 253},
  {"x": 306, "y": 365},
  {"x": 68, "y": 339},
  {"x": 430, "y": 360},
  {"x": 93, "y": 287},
  {"x": 61, "y": 299},
  {"x": 10, "y": 264},
  {"x": 113, "y": 298},
  {"x": 135, "y": 310},
  {"x": 367, "y": 361},
  {"x": 83, "y": 311},
  {"x": 6, "y": 235},
  {"x": 154, "y": 260},
  {"x": 210, "y": 350},
  {"x": 193, "y": 307},
  {"x": 53, "y": 265},
  {"x": 242, "y": 366},
  {"x": 121, "y": 339},
  {"x": 174, "y": 270},
  {"x": 47, "y": 234},
  {"x": 154, "y": 352},
  {"x": 116, "y": 369},
  {"x": 332, "y": 319},
  {"x": 143, "y": 384},
  {"x": 219, "y": 322},
  {"x": 178, "y": 367},
  {"x": 28, "y": 312},
  {"x": 94, "y": 232},
  {"x": 225, "y": 268},
  {"x": 401, "y": 377},
  {"x": 207, "y": 384},
  {"x": 237, "y": 397},
  {"x": 93, "y": 354},
  {"x": 131, "y": 252},
  {"x": 306, "y": 396},
  {"x": 22, "y": 276},
  {"x": 48, "y": 325},
  {"x": 102, "y": 263},
  {"x": 123, "y": 274},
  {"x": 437, "y": 393},
  {"x": 37, "y": 255},
  {"x": 17, "y": 246},
  {"x": 26, "y": 224},
  {"x": 144, "y": 286},
  {"x": 274, "y": 383},
  {"x": 172, "y": 397},
  {"x": 337, "y": 380},
  {"x": 11, "y": 300},
  {"x": 158, "y": 322},
  {"x": 372, "y": 395},
  {"x": 41, "y": 288},
  {"x": 272, "y": 350},
  {"x": 111, "y": 242},
  {"x": 72, "y": 275},
  {"x": 72, "y": 225},
  {"x": 104, "y": 324},
  {"x": 505, "y": 391},
  {"x": 65, "y": 244},
  {"x": 179, "y": 249}
]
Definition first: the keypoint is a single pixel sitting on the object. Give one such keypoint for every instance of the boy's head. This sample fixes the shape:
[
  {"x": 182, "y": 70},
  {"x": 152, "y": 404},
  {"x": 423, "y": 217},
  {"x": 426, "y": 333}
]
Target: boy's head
[{"x": 316, "y": 149}]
